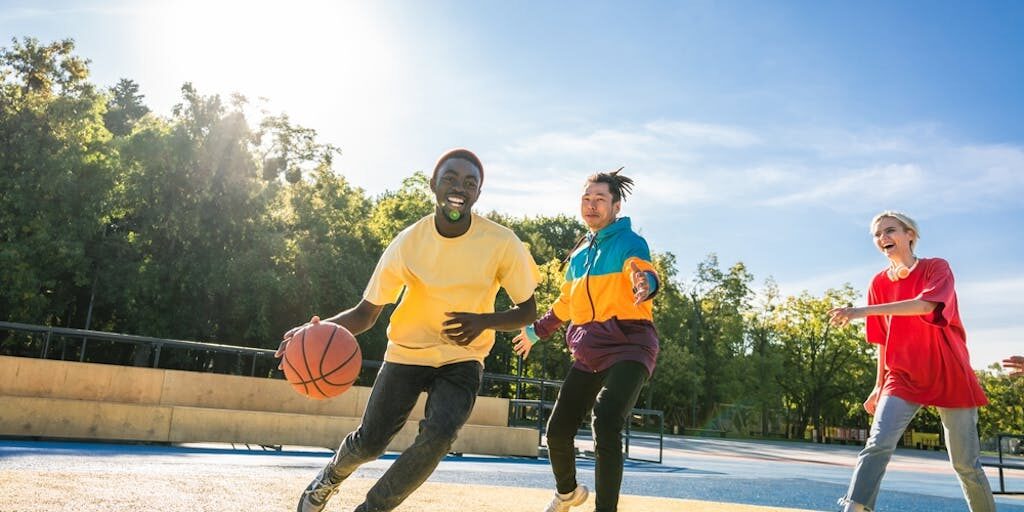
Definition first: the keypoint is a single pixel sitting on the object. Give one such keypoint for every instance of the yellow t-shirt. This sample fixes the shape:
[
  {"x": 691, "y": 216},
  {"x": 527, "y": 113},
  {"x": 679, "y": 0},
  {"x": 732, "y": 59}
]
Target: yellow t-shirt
[{"x": 441, "y": 275}]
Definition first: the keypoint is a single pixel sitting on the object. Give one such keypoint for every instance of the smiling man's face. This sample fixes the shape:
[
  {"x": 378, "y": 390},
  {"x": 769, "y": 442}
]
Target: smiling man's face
[
  {"x": 456, "y": 188},
  {"x": 597, "y": 208}
]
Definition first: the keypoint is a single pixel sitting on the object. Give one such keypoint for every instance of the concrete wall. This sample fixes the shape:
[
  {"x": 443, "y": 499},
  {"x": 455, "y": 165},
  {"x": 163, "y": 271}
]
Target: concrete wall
[
  {"x": 86, "y": 419},
  {"x": 45, "y": 378},
  {"x": 47, "y": 398}
]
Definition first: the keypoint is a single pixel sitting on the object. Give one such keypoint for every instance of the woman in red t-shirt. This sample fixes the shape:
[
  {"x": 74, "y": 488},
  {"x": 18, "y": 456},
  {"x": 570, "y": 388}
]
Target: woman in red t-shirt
[{"x": 912, "y": 316}]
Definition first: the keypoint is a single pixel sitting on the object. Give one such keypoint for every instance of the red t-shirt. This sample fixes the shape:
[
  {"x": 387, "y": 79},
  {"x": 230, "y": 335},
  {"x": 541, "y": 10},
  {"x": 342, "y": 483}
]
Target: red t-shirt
[{"x": 926, "y": 357}]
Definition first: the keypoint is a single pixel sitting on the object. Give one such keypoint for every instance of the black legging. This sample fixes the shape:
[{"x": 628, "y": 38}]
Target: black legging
[{"x": 612, "y": 394}]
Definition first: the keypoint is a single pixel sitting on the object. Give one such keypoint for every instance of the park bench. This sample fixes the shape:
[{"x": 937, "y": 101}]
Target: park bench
[{"x": 704, "y": 432}]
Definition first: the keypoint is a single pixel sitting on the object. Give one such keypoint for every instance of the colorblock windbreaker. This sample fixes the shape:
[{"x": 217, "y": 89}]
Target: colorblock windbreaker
[{"x": 605, "y": 327}]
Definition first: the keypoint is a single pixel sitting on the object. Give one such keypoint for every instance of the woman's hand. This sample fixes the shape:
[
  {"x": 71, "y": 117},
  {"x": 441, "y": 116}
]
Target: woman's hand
[
  {"x": 842, "y": 316},
  {"x": 872, "y": 402}
]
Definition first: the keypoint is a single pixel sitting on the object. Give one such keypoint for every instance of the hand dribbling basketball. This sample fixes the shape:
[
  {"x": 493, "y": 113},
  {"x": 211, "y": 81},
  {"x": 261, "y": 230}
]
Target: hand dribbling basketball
[{"x": 320, "y": 359}]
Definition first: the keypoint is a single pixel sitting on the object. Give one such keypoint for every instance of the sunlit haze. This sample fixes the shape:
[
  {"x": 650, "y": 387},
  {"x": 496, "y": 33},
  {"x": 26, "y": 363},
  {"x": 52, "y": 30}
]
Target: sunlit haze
[{"x": 768, "y": 133}]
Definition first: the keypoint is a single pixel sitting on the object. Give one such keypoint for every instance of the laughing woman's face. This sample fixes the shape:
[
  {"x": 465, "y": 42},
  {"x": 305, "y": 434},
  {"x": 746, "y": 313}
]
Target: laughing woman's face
[{"x": 892, "y": 238}]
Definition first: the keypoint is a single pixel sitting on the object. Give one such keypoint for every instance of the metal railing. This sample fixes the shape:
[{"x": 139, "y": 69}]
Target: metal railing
[
  {"x": 82, "y": 338},
  {"x": 660, "y": 437},
  {"x": 1008, "y": 458},
  {"x": 261, "y": 362},
  {"x": 629, "y": 435}
]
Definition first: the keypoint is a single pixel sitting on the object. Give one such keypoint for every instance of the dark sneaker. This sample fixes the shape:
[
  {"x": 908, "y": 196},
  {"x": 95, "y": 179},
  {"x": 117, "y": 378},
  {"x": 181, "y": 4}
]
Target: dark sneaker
[{"x": 315, "y": 497}]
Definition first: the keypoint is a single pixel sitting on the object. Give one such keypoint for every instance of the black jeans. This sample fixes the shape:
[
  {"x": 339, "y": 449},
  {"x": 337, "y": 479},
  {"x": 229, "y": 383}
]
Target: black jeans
[
  {"x": 612, "y": 394},
  {"x": 451, "y": 392}
]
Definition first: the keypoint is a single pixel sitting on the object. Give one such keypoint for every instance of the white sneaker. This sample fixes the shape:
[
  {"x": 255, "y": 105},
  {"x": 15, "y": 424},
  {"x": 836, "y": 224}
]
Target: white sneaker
[
  {"x": 850, "y": 506},
  {"x": 314, "y": 498},
  {"x": 563, "y": 504}
]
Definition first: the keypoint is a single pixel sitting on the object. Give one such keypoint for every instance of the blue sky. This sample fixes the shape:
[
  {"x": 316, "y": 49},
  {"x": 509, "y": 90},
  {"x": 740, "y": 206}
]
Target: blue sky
[{"x": 765, "y": 132}]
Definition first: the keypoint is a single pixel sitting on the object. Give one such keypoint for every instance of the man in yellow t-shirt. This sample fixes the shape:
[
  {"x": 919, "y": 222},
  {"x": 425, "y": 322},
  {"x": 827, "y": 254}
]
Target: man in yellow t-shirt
[{"x": 447, "y": 268}]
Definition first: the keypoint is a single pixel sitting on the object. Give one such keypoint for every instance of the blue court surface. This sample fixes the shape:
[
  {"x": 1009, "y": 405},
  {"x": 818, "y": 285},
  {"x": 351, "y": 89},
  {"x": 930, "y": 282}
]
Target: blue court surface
[{"x": 775, "y": 473}]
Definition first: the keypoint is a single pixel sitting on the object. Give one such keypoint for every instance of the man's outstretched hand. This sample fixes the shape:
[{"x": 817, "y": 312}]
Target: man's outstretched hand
[
  {"x": 641, "y": 286},
  {"x": 1015, "y": 364}
]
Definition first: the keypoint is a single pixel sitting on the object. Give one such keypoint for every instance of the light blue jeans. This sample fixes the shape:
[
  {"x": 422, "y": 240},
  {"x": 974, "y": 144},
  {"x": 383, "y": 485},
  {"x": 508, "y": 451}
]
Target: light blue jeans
[{"x": 892, "y": 415}]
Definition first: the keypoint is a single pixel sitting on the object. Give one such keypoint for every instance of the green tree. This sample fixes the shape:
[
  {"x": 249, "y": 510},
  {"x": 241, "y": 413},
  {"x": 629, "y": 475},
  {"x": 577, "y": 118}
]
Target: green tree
[
  {"x": 1005, "y": 411},
  {"x": 549, "y": 238},
  {"x": 713, "y": 330},
  {"x": 45, "y": 70},
  {"x": 57, "y": 182},
  {"x": 764, "y": 357},
  {"x": 677, "y": 379},
  {"x": 289, "y": 150},
  {"x": 827, "y": 371},
  {"x": 196, "y": 220},
  {"x": 331, "y": 252},
  {"x": 397, "y": 210},
  {"x": 223, "y": 250},
  {"x": 124, "y": 108},
  {"x": 549, "y": 358}
]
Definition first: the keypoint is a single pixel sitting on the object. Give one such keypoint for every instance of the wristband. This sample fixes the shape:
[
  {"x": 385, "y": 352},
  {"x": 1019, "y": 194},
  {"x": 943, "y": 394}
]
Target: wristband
[
  {"x": 652, "y": 284},
  {"x": 531, "y": 334}
]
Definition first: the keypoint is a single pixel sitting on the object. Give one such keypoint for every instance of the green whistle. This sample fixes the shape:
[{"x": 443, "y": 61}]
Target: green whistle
[{"x": 454, "y": 215}]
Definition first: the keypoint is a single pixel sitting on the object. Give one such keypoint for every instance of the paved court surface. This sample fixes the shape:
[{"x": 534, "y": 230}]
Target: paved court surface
[
  {"x": 810, "y": 476},
  {"x": 767, "y": 473}
]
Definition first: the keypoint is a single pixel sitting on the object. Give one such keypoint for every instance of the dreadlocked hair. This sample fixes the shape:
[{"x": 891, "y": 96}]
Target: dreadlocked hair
[{"x": 619, "y": 185}]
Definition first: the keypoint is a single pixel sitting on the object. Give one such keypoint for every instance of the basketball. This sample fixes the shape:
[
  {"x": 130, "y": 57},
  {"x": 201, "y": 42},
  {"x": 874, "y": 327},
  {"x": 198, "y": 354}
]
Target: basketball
[{"x": 322, "y": 360}]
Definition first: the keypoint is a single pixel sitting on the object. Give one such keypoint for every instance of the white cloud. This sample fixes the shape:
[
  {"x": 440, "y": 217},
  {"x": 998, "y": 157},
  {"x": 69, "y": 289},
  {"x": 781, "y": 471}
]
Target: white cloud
[
  {"x": 914, "y": 167},
  {"x": 874, "y": 185},
  {"x": 992, "y": 302},
  {"x": 989, "y": 346},
  {"x": 673, "y": 190},
  {"x": 1008, "y": 291},
  {"x": 657, "y": 144},
  {"x": 24, "y": 13},
  {"x": 870, "y": 142},
  {"x": 666, "y": 153},
  {"x": 857, "y": 276},
  {"x": 768, "y": 175},
  {"x": 703, "y": 134},
  {"x": 698, "y": 165},
  {"x": 509, "y": 188},
  {"x": 600, "y": 145},
  {"x": 19, "y": 14},
  {"x": 991, "y": 314}
]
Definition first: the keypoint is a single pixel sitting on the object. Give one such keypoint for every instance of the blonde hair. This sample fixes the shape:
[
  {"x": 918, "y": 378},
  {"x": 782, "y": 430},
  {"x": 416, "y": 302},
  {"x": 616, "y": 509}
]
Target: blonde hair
[{"x": 900, "y": 217}]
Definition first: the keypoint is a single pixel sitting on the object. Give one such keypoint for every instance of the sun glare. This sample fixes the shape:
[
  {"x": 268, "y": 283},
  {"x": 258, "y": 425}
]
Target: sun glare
[{"x": 303, "y": 57}]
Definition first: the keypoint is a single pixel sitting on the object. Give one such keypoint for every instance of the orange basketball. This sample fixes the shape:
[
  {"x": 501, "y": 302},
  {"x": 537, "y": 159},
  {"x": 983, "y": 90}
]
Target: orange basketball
[{"x": 322, "y": 360}]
